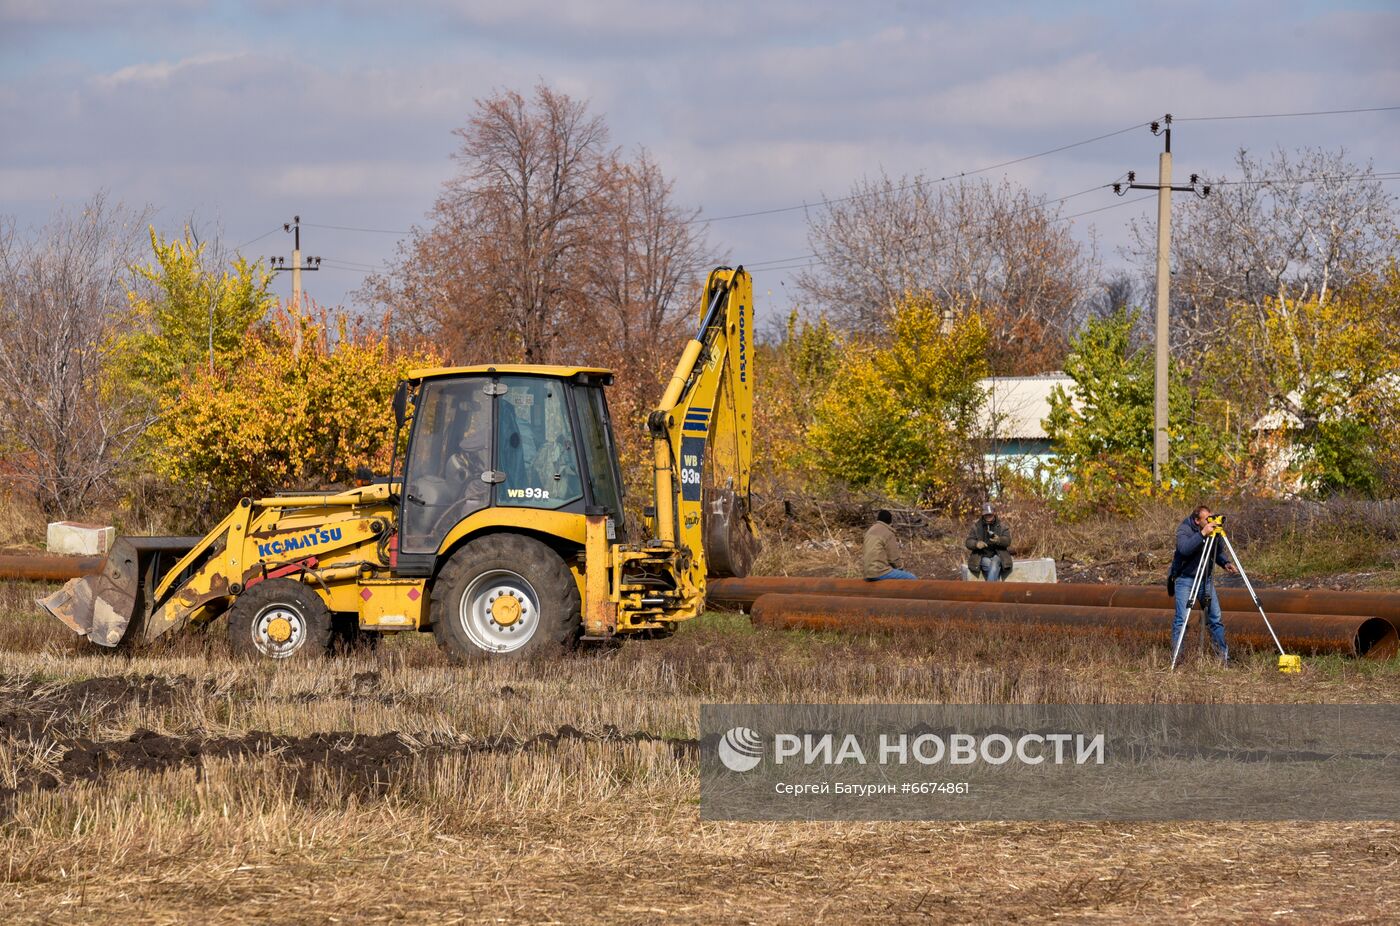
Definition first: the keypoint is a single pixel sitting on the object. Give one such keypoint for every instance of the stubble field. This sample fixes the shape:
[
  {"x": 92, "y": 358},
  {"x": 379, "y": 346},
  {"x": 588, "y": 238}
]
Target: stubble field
[{"x": 390, "y": 785}]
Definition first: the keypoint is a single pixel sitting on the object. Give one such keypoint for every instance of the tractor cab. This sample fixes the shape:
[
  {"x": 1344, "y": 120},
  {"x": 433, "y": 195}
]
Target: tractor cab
[{"x": 506, "y": 436}]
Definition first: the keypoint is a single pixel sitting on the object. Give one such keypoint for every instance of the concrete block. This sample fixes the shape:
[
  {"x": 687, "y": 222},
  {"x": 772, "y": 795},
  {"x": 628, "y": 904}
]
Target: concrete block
[
  {"x": 1025, "y": 570},
  {"x": 74, "y": 539}
]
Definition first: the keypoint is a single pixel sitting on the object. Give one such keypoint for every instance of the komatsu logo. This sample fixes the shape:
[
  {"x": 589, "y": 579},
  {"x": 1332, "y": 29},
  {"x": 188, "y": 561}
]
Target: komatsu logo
[
  {"x": 313, "y": 539},
  {"x": 743, "y": 343}
]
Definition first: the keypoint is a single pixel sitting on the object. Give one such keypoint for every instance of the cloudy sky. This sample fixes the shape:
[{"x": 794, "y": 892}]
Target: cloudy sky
[{"x": 242, "y": 114}]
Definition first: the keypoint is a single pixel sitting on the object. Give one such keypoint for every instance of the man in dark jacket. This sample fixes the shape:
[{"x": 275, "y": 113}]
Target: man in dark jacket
[
  {"x": 1191, "y": 536},
  {"x": 988, "y": 545}
]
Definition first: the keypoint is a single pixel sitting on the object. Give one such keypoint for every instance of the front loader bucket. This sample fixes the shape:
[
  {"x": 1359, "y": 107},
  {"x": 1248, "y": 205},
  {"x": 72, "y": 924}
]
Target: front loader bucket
[
  {"x": 101, "y": 607},
  {"x": 110, "y": 606}
]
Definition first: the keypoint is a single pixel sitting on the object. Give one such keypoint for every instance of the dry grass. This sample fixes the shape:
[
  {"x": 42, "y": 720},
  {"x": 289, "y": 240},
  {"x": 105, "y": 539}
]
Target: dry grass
[
  {"x": 21, "y": 525},
  {"x": 392, "y": 786}
]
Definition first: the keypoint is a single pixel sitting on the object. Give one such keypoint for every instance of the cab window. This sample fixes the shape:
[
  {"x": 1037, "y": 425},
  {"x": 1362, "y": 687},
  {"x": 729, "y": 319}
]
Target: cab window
[
  {"x": 535, "y": 445},
  {"x": 597, "y": 437},
  {"x": 450, "y": 451}
]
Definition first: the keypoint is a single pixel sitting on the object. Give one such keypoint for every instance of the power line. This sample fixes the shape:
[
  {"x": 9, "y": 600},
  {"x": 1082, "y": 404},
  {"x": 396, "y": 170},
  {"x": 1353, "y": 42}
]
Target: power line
[
  {"x": 354, "y": 264},
  {"x": 257, "y": 239},
  {"x": 1028, "y": 208},
  {"x": 353, "y": 228},
  {"x": 1382, "y": 176},
  {"x": 920, "y": 182},
  {"x": 1317, "y": 112},
  {"x": 1040, "y": 154},
  {"x": 1126, "y": 202},
  {"x": 816, "y": 260}
]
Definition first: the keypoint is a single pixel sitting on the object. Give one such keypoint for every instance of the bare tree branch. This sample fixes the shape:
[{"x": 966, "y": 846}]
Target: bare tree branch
[
  {"x": 60, "y": 297},
  {"x": 975, "y": 243}
]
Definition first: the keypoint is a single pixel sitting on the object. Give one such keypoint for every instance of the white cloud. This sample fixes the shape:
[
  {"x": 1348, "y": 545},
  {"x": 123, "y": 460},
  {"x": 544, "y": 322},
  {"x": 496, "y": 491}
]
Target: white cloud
[{"x": 158, "y": 72}]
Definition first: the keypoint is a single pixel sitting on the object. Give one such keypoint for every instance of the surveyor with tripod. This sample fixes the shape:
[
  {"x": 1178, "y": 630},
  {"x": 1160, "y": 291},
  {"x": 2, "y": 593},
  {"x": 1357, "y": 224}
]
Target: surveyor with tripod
[{"x": 1188, "y": 571}]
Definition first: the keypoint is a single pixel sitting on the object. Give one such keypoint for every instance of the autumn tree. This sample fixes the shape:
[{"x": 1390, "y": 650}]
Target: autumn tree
[
  {"x": 1330, "y": 363},
  {"x": 996, "y": 247},
  {"x": 646, "y": 260},
  {"x": 795, "y": 370},
  {"x": 186, "y": 309},
  {"x": 547, "y": 246},
  {"x": 283, "y": 418},
  {"x": 551, "y": 247},
  {"x": 62, "y": 295},
  {"x": 902, "y": 421},
  {"x": 1284, "y": 230},
  {"x": 1101, "y": 429}
]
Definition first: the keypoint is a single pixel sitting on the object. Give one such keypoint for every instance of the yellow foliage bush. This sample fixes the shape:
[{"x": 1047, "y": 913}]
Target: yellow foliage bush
[
  {"x": 902, "y": 413},
  {"x": 284, "y": 418}
]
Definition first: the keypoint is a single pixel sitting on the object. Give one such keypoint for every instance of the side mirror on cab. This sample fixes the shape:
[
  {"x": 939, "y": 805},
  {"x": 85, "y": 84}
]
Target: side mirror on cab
[{"x": 400, "y": 403}]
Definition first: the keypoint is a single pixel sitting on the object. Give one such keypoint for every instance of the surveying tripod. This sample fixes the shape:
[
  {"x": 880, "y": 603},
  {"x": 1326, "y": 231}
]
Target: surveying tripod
[{"x": 1286, "y": 663}]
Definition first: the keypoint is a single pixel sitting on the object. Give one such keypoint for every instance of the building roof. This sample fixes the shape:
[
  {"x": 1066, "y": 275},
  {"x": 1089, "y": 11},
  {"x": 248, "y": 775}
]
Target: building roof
[{"x": 1016, "y": 406}]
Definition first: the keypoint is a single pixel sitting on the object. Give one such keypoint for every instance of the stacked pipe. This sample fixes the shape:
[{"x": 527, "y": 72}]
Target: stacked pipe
[
  {"x": 1307, "y": 621},
  {"x": 49, "y": 567}
]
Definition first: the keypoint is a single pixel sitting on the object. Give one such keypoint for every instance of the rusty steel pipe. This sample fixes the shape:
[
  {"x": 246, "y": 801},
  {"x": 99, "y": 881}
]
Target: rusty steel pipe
[
  {"x": 47, "y": 567},
  {"x": 1370, "y": 637},
  {"x": 743, "y": 592}
]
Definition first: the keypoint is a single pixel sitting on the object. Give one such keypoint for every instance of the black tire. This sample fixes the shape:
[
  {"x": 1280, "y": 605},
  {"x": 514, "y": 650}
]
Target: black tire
[
  {"x": 545, "y": 618},
  {"x": 259, "y": 607}
]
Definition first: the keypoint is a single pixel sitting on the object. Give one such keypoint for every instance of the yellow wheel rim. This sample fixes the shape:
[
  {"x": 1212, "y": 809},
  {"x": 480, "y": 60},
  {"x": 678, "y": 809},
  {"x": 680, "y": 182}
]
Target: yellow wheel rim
[
  {"x": 505, "y": 610},
  {"x": 279, "y": 630}
]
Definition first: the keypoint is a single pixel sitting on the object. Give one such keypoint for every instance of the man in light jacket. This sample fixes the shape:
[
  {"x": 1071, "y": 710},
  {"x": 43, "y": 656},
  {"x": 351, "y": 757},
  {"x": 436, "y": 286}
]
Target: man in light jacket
[{"x": 880, "y": 556}]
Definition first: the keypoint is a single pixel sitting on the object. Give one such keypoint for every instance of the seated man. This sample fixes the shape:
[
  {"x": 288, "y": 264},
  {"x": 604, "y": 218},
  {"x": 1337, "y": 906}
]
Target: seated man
[
  {"x": 988, "y": 546},
  {"x": 880, "y": 556}
]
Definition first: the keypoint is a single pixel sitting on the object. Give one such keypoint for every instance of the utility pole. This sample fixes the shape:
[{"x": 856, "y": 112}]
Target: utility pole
[
  {"x": 1164, "y": 189},
  {"x": 278, "y": 263}
]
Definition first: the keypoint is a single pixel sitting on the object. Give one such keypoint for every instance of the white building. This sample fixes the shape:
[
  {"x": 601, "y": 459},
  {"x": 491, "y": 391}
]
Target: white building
[{"x": 1013, "y": 420}]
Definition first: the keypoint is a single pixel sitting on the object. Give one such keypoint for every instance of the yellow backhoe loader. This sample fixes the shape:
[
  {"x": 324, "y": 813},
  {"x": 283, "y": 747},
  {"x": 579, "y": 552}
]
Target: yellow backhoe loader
[{"x": 502, "y": 534}]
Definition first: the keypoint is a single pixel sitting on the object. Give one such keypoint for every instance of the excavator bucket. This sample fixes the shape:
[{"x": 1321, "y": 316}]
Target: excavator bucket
[
  {"x": 109, "y": 606},
  {"x": 730, "y": 544}
]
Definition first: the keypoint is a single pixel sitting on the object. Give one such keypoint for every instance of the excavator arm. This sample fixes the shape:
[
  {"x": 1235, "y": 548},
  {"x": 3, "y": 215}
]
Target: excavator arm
[{"x": 702, "y": 436}]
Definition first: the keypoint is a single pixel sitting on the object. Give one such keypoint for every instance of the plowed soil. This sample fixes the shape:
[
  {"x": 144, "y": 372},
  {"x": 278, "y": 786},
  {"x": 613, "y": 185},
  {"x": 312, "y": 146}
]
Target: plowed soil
[{"x": 363, "y": 764}]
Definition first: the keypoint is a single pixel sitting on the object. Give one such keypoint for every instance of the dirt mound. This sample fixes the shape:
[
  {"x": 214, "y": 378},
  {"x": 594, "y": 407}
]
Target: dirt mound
[
  {"x": 63, "y": 715},
  {"x": 364, "y": 764},
  {"x": 28, "y": 709}
]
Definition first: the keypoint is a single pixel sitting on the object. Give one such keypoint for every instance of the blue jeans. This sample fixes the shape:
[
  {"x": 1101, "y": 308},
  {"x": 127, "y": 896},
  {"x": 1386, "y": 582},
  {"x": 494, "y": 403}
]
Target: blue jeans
[
  {"x": 894, "y": 574},
  {"x": 1213, "y": 621},
  {"x": 991, "y": 568}
]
